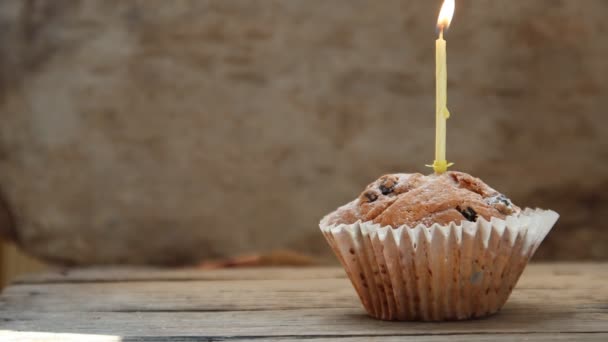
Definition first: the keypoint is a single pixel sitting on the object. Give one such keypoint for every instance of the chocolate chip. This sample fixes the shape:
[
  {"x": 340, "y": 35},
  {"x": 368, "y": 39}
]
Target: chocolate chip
[
  {"x": 502, "y": 198},
  {"x": 388, "y": 185},
  {"x": 385, "y": 190},
  {"x": 371, "y": 196},
  {"x": 469, "y": 213}
]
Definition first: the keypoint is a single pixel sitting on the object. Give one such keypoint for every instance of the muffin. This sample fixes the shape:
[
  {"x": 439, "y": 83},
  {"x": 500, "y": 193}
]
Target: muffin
[
  {"x": 413, "y": 199},
  {"x": 434, "y": 248}
]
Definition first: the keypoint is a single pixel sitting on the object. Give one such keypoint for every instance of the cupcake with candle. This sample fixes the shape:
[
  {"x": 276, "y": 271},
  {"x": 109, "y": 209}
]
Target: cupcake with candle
[{"x": 439, "y": 247}]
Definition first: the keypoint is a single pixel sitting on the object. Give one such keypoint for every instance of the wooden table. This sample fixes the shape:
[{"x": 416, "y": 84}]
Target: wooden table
[{"x": 553, "y": 302}]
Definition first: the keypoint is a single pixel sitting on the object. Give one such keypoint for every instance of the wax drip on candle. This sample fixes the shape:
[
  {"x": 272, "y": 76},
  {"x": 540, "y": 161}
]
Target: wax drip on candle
[{"x": 440, "y": 165}]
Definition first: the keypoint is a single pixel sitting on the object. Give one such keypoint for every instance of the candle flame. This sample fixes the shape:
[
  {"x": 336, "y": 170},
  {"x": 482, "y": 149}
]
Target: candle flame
[{"x": 446, "y": 14}]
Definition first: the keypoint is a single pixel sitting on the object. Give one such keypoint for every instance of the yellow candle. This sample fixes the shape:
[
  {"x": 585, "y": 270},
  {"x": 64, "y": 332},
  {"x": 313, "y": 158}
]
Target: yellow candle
[{"x": 440, "y": 165}]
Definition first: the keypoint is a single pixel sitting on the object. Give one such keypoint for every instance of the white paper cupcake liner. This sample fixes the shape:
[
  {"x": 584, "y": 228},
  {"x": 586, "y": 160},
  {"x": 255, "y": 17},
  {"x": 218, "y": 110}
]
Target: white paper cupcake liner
[{"x": 438, "y": 273}]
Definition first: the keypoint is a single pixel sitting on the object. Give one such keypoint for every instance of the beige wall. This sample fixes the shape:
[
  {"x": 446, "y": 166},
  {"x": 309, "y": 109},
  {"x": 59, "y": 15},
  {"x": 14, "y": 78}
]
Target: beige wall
[{"x": 171, "y": 131}]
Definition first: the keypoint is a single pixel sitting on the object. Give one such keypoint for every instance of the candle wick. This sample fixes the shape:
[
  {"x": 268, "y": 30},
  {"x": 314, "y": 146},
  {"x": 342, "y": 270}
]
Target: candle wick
[{"x": 441, "y": 33}]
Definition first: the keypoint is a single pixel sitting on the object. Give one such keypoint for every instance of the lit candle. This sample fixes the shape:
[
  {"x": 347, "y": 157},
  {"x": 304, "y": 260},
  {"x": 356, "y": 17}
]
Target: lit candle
[{"x": 440, "y": 165}]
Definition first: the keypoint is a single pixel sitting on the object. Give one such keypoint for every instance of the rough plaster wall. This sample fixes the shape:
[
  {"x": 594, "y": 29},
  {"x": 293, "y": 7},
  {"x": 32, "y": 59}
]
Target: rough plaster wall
[{"x": 170, "y": 131}]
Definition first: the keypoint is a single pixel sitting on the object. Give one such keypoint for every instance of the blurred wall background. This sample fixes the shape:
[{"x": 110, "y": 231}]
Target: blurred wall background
[{"x": 174, "y": 131}]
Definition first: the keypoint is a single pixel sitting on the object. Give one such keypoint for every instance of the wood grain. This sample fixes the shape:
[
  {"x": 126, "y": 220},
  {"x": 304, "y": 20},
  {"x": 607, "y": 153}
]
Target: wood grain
[
  {"x": 128, "y": 274},
  {"x": 53, "y": 337},
  {"x": 562, "y": 274},
  {"x": 560, "y": 302}
]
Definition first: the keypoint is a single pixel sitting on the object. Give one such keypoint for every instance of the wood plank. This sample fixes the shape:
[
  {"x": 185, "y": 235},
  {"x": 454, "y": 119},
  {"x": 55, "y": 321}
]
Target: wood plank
[
  {"x": 61, "y": 337},
  {"x": 258, "y": 294},
  {"x": 517, "y": 317},
  {"x": 177, "y": 296},
  {"x": 601, "y": 337},
  {"x": 243, "y": 295},
  {"x": 134, "y": 274},
  {"x": 529, "y": 310},
  {"x": 536, "y": 274},
  {"x": 552, "y": 301}
]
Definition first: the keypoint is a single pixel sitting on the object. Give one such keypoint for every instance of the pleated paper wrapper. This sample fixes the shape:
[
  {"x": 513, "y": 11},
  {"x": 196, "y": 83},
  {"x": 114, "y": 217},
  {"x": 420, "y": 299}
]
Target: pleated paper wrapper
[{"x": 438, "y": 273}]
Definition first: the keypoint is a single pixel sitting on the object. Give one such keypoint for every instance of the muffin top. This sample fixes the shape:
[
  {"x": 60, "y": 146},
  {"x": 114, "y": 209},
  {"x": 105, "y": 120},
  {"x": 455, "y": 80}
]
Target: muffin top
[{"x": 412, "y": 199}]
